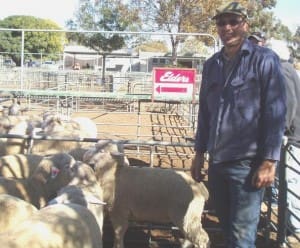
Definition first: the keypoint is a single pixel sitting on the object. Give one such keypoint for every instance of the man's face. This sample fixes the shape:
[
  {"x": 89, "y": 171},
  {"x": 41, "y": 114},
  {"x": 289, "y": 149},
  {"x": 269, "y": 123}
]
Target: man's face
[{"x": 232, "y": 29}]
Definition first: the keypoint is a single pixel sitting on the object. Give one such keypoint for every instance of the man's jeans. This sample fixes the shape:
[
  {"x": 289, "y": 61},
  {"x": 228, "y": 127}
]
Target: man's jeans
[
  {"x": 293, "y": 184},
  {"x": 236, "y": 202}
]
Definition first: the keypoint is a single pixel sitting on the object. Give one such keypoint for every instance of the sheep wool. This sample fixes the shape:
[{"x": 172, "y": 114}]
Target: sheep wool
[{"x": 148, "y": 194}]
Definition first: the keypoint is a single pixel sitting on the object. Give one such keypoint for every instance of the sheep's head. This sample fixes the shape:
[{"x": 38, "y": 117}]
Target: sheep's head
[
  {"x": 55, "y": 171},
  {"x": 52, "y": 123},
  {"x": 82, "y": 174},
  {"x": 104, "y": 154},
  {"x": 5, "y": 125}
]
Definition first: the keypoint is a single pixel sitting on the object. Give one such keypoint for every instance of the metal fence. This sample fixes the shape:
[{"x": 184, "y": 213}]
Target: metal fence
[{"x": 283, "y": 200}]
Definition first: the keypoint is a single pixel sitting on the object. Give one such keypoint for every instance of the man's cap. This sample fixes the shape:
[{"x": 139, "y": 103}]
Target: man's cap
[
  {"x": 257, "y": 35},
  {"x": 232, "y": 8}
]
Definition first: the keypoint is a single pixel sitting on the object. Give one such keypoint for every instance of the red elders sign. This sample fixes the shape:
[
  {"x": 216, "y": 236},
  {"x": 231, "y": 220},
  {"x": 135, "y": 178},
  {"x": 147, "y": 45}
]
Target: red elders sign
[{"x": 173, "y": 84}]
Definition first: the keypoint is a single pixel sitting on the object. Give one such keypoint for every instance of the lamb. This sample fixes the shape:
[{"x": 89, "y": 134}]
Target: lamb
[
  {"x": 55, "y": 127},
  {"x": 83, "y": 190},
  {"x": 13, "y": 210},
  {"x": 16, "y": 125},
  {"x": 19, "y": 165},
  {"x": 58, "y": 225},
  {"x": 82, "y": 127},
  {"x": 148, "y": 194},
  {"x": 51, "y": 174},
  {"x": 52, "y": 126}
]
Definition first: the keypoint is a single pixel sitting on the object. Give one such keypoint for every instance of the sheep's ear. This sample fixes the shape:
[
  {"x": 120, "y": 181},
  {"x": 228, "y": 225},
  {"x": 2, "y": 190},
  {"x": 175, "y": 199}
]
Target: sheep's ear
[
  {"x": 94, "y": 200},
  {"x": 204, "y": 191},
  {"x": 54, "y": 172},
  {"x": 58, "y": 119},
  {"x": 126, "y": 161},
  {"x": 119, "y": 157},
  {"x": 101, "y": 144}
]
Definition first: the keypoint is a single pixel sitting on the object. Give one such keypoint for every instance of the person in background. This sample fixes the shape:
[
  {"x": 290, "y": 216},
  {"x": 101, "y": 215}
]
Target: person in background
[
  {"x": 240, "y": 124},
  {"x": 292, "y": 131},
  {"x": 257, "y": 38}
]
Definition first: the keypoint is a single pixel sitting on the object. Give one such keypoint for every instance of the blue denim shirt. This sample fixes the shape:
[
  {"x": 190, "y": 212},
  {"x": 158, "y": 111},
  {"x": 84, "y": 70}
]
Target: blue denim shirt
[{"x": 244, "y": 117}]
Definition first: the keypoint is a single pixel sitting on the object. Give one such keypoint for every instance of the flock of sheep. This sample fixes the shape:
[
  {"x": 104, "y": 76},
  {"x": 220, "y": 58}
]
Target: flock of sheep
[{"x": 55, "y": 193}]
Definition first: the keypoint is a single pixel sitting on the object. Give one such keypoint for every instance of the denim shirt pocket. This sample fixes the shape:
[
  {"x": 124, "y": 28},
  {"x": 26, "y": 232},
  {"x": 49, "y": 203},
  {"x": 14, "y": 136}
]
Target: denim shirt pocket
[{"x": 246, "y": 93}]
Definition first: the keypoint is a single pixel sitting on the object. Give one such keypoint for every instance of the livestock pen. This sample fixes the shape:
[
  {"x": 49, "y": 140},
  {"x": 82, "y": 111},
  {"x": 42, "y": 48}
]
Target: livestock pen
[{"x": 159, "y": 134}]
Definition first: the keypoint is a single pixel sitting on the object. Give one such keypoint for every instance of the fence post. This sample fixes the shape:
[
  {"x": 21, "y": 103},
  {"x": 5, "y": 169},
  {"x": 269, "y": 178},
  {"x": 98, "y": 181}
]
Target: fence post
[{"x": 282, "y": 197}]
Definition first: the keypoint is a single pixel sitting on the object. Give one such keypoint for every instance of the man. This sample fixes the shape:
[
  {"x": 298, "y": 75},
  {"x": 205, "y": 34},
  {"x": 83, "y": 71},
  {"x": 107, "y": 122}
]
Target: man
[
  {"x": 257, "y": 38},
  {"x": 292, "y": 83},
  {"x": 240, "y": 124}
]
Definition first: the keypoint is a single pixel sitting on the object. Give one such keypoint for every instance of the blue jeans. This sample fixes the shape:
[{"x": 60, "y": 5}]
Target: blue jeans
[
  {"x": 236, "y": 202},
  {"x": 293, "y": 184}
]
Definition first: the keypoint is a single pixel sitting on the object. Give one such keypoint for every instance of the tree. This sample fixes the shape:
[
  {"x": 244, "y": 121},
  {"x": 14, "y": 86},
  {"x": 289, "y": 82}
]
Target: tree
[
  {"x": 263, "y": 19},
  {"x": 184, "y": 16},
  {"x": 105, "y": 15},
  {"x": 172, "y": 16},
  {"x": 49, "y": 44},
  {"x": 296, "y": 44},
  {"x": 154, "y": 46}
]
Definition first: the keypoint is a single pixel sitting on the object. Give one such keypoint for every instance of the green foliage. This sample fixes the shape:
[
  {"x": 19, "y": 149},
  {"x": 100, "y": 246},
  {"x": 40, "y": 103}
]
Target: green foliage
[
  {"x": 50, "y": 44},
  {"x": 103, "y": 15}
]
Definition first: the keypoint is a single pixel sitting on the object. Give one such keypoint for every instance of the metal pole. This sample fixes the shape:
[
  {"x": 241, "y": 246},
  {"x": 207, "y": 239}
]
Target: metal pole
[
  {"x": 22, "y": 59},
  {"x": 282, "y": 198}
]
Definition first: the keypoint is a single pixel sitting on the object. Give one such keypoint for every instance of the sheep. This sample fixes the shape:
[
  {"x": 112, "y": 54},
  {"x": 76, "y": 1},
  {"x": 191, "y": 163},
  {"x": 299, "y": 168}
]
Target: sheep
[
  {"x": 78, "y": 153},
  {"x": 52, "y": 126},
  {"x": 83, "y": 190},
  {"x": 148, "y": 194},
  {"x": 55, "y": 127},
  {"x": 16, "y": 125},
  {"x": 13, "y": 210},
  {"x": 8, "y": 122},
  {"x": 59, "y": 226},
  {"x": 15, "y": 108},
  {"x": 51, "y": 174},
  {"x": 19, "y": 165},
  {"x": 82, "y": 127}
]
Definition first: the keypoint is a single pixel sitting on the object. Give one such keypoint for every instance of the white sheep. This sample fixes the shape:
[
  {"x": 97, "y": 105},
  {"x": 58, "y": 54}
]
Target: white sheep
[
  {"x": 16, "y": 125},
  {"x": 19, "y": 165},
  {"x": 83, "y": 190},
  {"x": 13, "y": 210},
  {"x": 54, "y": 126},
  {"x": 78, "y": 153},
  {"x": 59, "y": 226},
  {"x": 51, "y": 174},
  {"x": 82, "y": 127},
  {"x": 148, "y": 194}
]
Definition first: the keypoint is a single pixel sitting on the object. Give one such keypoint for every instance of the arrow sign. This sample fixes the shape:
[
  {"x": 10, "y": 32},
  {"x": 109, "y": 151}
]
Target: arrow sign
[{"x": 161, "y": 89}]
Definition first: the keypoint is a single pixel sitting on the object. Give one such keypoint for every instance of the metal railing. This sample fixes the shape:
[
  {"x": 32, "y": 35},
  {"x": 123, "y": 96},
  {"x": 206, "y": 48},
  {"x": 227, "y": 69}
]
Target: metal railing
[{"x": 278, "y": 200}]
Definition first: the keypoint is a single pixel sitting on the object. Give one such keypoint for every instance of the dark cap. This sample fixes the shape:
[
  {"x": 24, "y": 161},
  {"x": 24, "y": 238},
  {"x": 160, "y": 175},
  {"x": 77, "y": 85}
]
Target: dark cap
[
  {"x": 257, "y": 35},
  {"x": 231, "y": 8}
]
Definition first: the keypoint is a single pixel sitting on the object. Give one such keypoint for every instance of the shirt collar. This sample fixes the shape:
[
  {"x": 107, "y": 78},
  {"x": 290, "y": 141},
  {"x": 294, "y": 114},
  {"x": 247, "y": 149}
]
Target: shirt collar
[{"x": 247, "y": 48}]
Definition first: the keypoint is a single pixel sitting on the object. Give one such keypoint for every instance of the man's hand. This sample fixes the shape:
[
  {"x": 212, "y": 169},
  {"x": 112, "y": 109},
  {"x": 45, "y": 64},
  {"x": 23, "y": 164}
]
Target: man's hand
[
  {"x": 197, "y": 168},
  {"x": 264, "y": 176}
]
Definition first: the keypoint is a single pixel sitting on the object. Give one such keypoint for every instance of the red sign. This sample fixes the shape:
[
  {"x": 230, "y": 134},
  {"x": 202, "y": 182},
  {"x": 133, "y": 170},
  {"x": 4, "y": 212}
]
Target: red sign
[{"x": 173, "y": 83}]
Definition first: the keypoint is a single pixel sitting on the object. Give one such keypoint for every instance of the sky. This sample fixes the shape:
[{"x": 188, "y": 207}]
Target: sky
[{"x": 61, "y": 10}]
